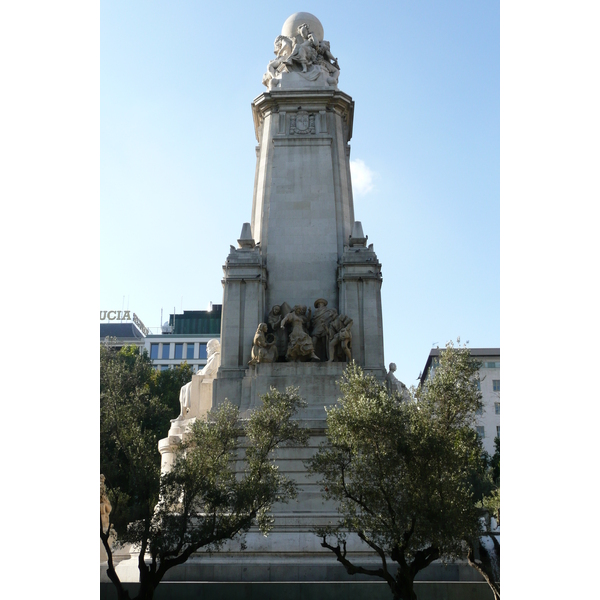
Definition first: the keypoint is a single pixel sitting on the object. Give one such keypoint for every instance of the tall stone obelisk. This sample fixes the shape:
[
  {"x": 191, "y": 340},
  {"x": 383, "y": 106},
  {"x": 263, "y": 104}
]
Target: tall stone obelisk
[{"x": 302, "y": 243}]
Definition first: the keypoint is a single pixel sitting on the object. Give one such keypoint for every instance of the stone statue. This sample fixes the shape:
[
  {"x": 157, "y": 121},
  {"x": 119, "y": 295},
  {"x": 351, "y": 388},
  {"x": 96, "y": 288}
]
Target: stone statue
[
  {"x": 320, "y": 327},
  {"x": 394, "y": 385},
  {"x": 213, "y": 352},
  {"x": 283, "y": 49},
  {"x": 263, "y": 350},
  {"x": 305, "y": 53},
  {"x": 326, "y": 60},
  {"x": 340, "y": 338},
  {"x": 300, "y": 346},
  {"x": 105, "y": 506},
  {"x": 278, "y": 312}
]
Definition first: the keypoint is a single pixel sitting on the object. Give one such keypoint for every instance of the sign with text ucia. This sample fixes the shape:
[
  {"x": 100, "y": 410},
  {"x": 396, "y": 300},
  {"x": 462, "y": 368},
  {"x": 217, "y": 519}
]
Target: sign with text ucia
[{"x": 123, "y": 315}]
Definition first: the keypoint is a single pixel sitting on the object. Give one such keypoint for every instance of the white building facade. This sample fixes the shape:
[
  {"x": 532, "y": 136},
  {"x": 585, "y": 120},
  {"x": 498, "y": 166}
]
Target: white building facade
[
  {"x": 488, "y": 422},
  {"x": 184, "y": 338},
  {"x": 171, "y": 349}
]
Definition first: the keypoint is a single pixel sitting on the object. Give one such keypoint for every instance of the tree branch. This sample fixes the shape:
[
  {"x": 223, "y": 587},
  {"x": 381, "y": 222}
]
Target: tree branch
[
  {"x": 352, "y": 569},
  {"x": 122, "y": 593},
  {"x": 484, "y": 570}
]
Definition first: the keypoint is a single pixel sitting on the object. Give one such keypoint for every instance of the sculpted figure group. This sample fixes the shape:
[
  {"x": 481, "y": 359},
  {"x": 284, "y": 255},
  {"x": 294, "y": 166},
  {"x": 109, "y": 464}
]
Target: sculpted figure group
[
  {"x": 296, "y": 335},
  {"x": 308, "y": 56}
]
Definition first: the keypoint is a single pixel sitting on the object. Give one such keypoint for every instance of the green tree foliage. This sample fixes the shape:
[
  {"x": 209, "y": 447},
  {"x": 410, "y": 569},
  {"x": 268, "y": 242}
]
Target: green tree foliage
[
  {"x": 136, "y": 406},
  {"x": 402, "y": 472},
  {"x": 223, "y": 480}
]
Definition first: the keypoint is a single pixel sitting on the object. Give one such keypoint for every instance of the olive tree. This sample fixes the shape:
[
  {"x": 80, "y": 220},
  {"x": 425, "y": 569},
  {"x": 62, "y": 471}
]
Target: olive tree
[
  {"x": 401, "y": 472},
  {"x": 224, "y": 478}
]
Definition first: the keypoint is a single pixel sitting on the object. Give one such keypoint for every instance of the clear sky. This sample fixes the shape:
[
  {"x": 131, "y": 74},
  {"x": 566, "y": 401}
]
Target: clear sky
[{"x": 177, "y": 155}]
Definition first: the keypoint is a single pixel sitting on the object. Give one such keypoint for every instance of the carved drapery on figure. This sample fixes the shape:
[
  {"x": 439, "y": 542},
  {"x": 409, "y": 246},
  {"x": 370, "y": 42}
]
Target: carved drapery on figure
[
  {"x": 394, "y": 385},
  {"x": 277, "y": 314},
  {"x": 264, "y": 349},
  {"x": 213, "y": 353},
  {"x": 340, "y": 339},
  {"x": 320, "y": 327},
  {"x": 283, "y": 49},
  {"x": 300, "y": 347},
  {"x": 307, "y": 55}
]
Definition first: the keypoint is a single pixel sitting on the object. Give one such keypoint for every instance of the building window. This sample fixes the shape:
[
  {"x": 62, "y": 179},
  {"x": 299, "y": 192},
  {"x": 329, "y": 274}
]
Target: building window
[
  {"x": 202, "y": 351},
  {"x": 497, "y": 430},
  {"x": 164, "y": 367},
  {"x": 190, "y": 351},
  {"x": 481, "y": 431},
  {"x": 496, "y": 383},
  {"x": 497, "y": 407},
  {"x": 165, "y": 351},
  {"x": 479, "y": 411},
  {"x": 491, "y": 365},
  {"x": 478, "y": 385},
  {"x": 153, "y": 351},
  {"x": 179, "y": 351}
]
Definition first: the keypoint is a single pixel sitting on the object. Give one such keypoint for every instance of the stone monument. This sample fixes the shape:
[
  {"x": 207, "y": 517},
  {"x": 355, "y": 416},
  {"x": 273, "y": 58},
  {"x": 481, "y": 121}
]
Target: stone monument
[{"x": 301, "y": 296}]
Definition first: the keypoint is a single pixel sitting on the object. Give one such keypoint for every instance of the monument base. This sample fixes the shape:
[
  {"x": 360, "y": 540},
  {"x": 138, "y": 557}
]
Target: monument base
[{"x": 318, "y": 384}]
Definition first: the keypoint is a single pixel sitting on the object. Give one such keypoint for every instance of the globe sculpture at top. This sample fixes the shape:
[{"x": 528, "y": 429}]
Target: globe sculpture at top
[
  {"x": 290, "y": 27},
  {"x": 303, "y": 58}
]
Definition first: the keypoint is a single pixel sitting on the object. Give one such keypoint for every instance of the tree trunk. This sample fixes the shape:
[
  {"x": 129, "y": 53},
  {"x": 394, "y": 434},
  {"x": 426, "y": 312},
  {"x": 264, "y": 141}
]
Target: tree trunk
[
  {"x": 148, "y": 583},
  {"x": 403, "y": 588},
  {"x": 146, "y": 592},
  {"x": 122, "y": 593},
  {"x": 484, "y": 565}
]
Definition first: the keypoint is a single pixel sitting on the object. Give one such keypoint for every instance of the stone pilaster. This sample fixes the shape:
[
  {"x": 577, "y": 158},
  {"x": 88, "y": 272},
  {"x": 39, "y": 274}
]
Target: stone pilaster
[
  {"x": 359, "y": 280},
  {"x": 244, "y": 284}
]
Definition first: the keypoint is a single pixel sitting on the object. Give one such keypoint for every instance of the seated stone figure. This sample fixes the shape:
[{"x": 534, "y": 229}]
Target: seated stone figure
[
  {"x": 213, "y": 351},
  {"x": 263, "y": 350},
  {"x": 395, "y": 386}
]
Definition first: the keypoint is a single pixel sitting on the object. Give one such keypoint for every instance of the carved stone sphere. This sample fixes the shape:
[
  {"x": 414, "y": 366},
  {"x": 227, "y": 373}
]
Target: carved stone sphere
[{"x": 290, "y": 27}]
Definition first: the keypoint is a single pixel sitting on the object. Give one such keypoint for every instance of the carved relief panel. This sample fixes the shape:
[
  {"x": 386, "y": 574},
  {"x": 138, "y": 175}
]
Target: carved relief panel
[{"x": 302, "y": 123}]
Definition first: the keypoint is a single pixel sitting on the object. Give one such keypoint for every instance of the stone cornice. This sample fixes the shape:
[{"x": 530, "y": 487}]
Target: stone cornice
[{"x": 290, "y": 100}]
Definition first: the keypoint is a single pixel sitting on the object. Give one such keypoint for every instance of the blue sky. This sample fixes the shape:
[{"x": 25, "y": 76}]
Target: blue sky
[{"x": 177, "y": 155}]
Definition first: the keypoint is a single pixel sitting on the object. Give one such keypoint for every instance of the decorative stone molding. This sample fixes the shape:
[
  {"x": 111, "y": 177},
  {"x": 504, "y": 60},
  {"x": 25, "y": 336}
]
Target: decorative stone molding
[{"x": 314, "y": 101}]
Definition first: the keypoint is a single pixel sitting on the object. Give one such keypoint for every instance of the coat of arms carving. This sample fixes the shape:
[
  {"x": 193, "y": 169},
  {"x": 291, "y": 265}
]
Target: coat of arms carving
[{"x": 302, "y": 123}]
